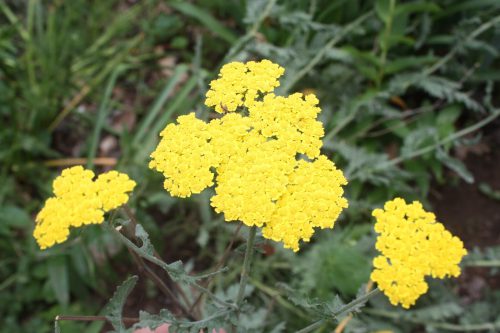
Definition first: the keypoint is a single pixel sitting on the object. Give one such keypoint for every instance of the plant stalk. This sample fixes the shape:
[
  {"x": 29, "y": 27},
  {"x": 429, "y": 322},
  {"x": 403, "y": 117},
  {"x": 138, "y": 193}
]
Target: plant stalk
[
  {"x": 346, "y": 308},
  {"x": 245, "y": 270},
  {"x": 246, "y": 265}
]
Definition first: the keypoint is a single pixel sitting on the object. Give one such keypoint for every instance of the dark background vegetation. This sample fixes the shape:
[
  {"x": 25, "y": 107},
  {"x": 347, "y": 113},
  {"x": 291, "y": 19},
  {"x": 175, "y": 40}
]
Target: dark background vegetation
[{"x": 410, "y": 98}]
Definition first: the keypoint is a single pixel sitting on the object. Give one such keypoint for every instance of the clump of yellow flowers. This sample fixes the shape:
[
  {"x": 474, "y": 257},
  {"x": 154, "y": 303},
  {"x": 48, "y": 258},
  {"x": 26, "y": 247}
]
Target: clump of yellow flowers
[
  {"x": 263, "y": 157},
  {"x": 412, "y": 245},
  {"x": 265, "y": 161},
  {"x": 79, "y": 200}
]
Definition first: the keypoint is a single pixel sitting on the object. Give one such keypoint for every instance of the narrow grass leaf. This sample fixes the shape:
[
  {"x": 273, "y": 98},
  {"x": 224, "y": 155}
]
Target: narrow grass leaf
[
  {"x": 205, "y": 18},
  {"x": 101, "y": 117},
  {"x": 158, "y": 104}
]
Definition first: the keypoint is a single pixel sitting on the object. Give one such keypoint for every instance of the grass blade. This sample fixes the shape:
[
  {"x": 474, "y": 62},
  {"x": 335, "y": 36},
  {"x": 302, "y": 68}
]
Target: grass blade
[
  {"x": 101, "y": 116},
  {"x": 159, "y": 103},
  {"x": 206, "y": 19}
]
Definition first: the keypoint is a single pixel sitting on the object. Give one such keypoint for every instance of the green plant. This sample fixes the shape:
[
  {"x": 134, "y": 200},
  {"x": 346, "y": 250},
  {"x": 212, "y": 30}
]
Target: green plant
[{"x": 397, "y": 121}]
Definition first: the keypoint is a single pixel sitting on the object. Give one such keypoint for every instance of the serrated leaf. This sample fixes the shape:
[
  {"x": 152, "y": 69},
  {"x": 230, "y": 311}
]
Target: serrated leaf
[
  {"x": 440, "y": 87},
  {"x": 211, "y": 323},
  {"x": 363, "y": 165},
  {"x": 114, "y": 308},
  {"x": 153, "y": 321},
  {"x": 146, "y": 245},
  {"x": 346, "y": 265},
  {"x": 176, "y": 269},
  {"x": 320, "y": 308},
  {"x": 455, "y": 165},
  {"x": 419, "y": 138}
]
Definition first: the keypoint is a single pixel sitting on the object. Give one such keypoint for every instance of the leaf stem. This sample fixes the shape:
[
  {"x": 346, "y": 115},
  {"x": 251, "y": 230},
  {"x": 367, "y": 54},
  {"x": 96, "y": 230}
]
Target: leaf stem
[
  {"x": 427, "y": 149},
  {"x": 133, "y": 219},
  {"x": 346, "y": 308},
  {"x": 128, "y": 243}
]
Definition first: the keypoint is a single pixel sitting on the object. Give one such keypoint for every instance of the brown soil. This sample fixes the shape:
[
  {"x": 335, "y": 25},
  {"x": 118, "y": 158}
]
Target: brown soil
[
  {"x": 471, "y": 214},
  {"x": 463, "y": 208}
]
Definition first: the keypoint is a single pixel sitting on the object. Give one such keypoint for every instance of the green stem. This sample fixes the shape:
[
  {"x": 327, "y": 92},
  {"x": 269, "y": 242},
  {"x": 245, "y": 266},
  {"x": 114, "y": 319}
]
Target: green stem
[
  {"x": 151, "y": 258},
  {"x": 482, "y": 28},
  {"x": 246, "y": 265},
  {"x": 346, "y": 308},
  {"x": 245, "y": 270},
  {"x": 450, "y": 138},
  {"x": 430, "y": 148}
]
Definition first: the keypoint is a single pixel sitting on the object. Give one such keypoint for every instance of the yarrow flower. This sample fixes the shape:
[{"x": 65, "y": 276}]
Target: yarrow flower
[
  {"x": 240, "y": 84},
  {"x": 266, "y": 167},
  {"x": 79, "y": 200},
  {"x": 412, "y": 245}
]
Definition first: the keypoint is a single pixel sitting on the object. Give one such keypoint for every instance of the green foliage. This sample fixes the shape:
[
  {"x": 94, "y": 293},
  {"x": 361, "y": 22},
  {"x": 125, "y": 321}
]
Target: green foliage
[
  {"x": 401, "y": 84},
  {"x": 114, "y": 309},
  {"x": 211, "y": 322},
  {"x": 339, "y": 263}
]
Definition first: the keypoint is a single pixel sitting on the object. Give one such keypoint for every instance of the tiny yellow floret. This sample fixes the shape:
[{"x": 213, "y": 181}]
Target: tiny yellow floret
[
  {"x": 184, "y": 156},
  {"x": 239, "y": 84},
  {"x": 412, "y": 245},
  {"x": 79, "y": 200}
]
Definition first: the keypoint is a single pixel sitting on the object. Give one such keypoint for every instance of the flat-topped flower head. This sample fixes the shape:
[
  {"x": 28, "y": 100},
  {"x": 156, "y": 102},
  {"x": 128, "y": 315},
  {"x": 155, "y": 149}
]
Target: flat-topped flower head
[
  {"x": 256, "y": 161},
  {"x": 291, "y": 119},
  {"x": 239, "y": 84},
  {"x": 412, "y": 245},
  {"x": 79, "y": 200},
  {"x": 312, "y": 199},
  {"x": 184, "y": 156}
]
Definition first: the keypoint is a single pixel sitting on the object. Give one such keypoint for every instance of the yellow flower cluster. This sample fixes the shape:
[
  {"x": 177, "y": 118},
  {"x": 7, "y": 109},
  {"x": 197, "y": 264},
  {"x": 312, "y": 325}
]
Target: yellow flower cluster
[
  {"x": 253, "y": 158},
  {"x": 79, "y": 200},
  {"x": 184, "y": 156},
  {"x": 239, "y": 84},
  {"x": 412, "y": 245}
]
